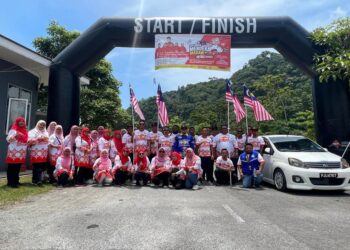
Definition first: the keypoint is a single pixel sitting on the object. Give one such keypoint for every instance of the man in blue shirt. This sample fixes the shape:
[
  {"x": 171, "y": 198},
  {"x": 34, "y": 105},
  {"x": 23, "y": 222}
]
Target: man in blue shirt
[
  {"x": 251, "y": 165},
  {"x": 183, "y": 141}
]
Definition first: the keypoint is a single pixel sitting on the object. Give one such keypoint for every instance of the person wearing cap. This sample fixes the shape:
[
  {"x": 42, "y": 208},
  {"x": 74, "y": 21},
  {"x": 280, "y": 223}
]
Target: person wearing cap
[
  {"x": 153, "y": 137},
  {"x": 251, "y": 165},
  {"x": 224, "y": 140},
  {"x": 183, "y": 141},
  {"x": 256, "y": 140}
]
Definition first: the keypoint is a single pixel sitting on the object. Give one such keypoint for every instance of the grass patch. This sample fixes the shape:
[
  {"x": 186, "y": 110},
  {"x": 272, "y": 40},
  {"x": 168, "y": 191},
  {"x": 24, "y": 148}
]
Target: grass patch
[{"x": 11, "y": 195}]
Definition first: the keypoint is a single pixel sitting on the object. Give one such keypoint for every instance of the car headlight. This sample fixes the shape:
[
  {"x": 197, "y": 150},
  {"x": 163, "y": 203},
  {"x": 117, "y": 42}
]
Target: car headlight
[
  {"x": 344, "y": 163},
  {"x": 296, "y": 163}
]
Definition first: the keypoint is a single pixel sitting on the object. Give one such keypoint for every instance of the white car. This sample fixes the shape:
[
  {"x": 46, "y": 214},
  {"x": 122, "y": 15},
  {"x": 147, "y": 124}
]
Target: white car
[{"x": 296, "y": 162}]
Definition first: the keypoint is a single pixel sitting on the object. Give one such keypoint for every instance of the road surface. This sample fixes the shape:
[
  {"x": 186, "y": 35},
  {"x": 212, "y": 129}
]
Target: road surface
[{"x": 150, "y": 218}]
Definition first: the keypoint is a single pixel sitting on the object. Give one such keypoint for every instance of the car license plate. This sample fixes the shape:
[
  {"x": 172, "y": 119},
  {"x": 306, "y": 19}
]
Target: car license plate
[{"x": 328, "y": 175}]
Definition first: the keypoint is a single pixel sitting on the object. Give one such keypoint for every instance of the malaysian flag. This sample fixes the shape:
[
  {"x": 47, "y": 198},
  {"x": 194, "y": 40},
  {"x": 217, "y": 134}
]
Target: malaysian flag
[
  {"x": 162, "y": 112},
  {"x": 135, "y": 104},
  {"x": 260, "y": 112},
  {"x": 228, "y": 93},
  {"x": 248, "y": 97},
  {"x": 237, "y": 106}
]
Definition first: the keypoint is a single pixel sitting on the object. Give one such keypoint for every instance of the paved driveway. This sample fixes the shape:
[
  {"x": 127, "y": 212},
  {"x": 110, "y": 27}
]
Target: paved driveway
[{"x": 150, "y": 218}]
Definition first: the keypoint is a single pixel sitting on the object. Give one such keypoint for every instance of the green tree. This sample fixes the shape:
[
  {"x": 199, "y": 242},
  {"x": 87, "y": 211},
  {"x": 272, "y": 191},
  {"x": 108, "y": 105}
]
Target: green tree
[
  {"x": 334, "y": 60},
  {"x": 99, "y": 101}
]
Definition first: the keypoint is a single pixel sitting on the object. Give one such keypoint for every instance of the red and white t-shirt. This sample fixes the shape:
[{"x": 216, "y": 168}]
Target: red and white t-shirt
[
  {"x": 127, "y": 141},
  {"x": 240, "y": 142},
  {"x": 256, "y": 141},
  {"x": 153, "y": 137},
  {"x": 224, "y": 164},
  {"x": 167, "y": 142},
  {"x": 141, "y": 140},
  {"x": 204, "y": 146}
]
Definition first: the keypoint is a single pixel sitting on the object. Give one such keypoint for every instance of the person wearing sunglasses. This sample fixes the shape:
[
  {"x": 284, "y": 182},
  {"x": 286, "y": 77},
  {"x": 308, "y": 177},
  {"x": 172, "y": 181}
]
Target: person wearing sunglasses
[
  {"x": 160, "y": 169},
  {"x": 141, "y": 167}
]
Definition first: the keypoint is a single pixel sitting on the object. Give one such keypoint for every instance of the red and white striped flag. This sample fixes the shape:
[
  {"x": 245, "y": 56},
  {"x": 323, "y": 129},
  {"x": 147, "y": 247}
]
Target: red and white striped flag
[
  {"x": 162, "y": 111},
  {"x": 238, "y": 109},
  {"x": 237, "y": 106},
  {"x": 260, "y": 113},
  {"x": 135, "y": 104}
]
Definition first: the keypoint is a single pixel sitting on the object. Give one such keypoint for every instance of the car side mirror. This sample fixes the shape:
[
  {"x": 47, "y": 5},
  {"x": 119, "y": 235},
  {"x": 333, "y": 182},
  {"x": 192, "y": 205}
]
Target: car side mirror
[{"x": 268, "y": 151}]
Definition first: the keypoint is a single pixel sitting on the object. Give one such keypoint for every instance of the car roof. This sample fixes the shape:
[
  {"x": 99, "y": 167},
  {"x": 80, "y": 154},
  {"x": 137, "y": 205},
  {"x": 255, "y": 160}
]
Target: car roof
[{"x": 286, "y": 136}]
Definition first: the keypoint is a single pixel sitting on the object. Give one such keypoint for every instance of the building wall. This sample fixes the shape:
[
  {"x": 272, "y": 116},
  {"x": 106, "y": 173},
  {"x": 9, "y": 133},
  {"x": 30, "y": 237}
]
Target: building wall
[{"x": 11, "y": 74}]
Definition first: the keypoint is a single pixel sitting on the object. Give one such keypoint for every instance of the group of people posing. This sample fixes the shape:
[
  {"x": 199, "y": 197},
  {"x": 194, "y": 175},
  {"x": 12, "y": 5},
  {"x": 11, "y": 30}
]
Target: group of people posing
[{"x": 178, "y": 157}]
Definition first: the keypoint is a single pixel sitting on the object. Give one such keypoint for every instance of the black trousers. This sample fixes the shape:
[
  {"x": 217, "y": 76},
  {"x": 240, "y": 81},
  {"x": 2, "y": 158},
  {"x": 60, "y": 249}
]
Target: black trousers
[
  {"x": 63, "y": 179},
  {"x": 84, "y": 174},
  {"x": 121, "y": 177},
  {"x": 207, "y": 166},
  {"x": 13, "y": 174},
  {"x": 163, "y": 177},
  {"x": 145, "y": 177},
  {"x": 176, "y": 181},
  {"x": 38, "y": 169},
  {"x": 50, "y": 171},
  {"x": 223, "y": 177}
]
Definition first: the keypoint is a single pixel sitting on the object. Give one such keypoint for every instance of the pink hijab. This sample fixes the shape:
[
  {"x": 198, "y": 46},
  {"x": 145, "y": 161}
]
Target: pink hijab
[
  {"x": 104, "y": 159},
  {"x": 51, "y": 128},
  {"x": 59, "y": 135},
  {"x": 190, "y": 160},
  {"x": 66, "y": 160}
]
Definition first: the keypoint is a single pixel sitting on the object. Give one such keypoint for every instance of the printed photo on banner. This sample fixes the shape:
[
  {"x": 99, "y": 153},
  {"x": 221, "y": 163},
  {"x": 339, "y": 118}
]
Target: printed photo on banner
[{"x": 193, "y": 51}]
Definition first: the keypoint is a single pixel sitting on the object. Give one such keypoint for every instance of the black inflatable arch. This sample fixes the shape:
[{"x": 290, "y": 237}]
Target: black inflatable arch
[{"x": 331, "y": 100}]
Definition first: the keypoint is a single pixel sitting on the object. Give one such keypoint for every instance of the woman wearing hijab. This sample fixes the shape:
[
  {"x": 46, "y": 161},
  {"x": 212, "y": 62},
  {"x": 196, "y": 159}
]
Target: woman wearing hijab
[
  {"x": 160, "y": 168},
  {"x": 94, "y": 153},
  {"x": 38, "y": 141},
  {"x": 51, "y": 128},
  {"x": 64, "y": 170},
  {"x": 82, "y": 159},
  {"x": 191, "y": 168},
  {"x": 55, "y": 150},
  {"x": 178, "y": 181},
  {"x": 105, "y": 141},
  {"x": 116, "y": 145},
  {"x": 141, "y": 167},
  {"x": 69, "y": 140},
  {"x": 16, "y": 151},
  {"x": 102, "y": 168},
  {"x": 122, "y": 167}
]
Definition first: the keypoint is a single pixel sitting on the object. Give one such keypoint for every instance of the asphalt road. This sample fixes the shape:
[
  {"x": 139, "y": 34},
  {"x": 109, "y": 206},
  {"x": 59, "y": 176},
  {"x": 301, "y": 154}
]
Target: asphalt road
[{"x": 150, "y": 218}]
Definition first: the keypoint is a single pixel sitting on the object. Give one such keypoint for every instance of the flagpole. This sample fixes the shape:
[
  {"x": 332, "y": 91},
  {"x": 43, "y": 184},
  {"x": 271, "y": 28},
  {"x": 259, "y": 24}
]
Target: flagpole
[
  {"x": 133, "y": 128},
  {"x": 246, "y": 121},
  {"x": 157, "y": 114},
  {"x": 228, "y": 116}
]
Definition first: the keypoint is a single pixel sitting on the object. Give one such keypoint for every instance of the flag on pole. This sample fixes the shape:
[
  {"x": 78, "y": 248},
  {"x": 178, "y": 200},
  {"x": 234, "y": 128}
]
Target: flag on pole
[
  {"x": 237, "y": 106},
  {"x": 260, "y": 113},
  {"x": 248, "y": 97},
  {"x": 135, "y": 104},
  {"x": 162, "y": 111},
  {"x": 228, "y": 94}
]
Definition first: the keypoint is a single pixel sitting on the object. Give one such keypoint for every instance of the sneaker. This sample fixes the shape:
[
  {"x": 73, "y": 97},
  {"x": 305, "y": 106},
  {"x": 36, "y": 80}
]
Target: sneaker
[
  {"x": 195, "y": 187},
  {"x": 165, "y": 186}
]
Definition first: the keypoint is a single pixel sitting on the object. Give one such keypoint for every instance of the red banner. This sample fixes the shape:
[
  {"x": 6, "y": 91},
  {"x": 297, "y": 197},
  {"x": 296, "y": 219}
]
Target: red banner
[{"x": 193, "y": 51}]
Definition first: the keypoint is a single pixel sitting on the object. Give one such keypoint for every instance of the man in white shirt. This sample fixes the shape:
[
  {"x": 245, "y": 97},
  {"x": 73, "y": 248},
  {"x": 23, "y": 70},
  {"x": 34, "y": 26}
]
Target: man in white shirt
[
  {"x": 141, "y": 138},
  {"x": 224, "y": 167},
  {"x": 224, "y": 140},
  {"x": 256, "y": 140},
  {"x": 204, "y": 146}
]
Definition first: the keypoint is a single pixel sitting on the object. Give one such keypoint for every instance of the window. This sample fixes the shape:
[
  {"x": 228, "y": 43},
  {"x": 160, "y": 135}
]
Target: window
[{"x": 19, "y": 104}]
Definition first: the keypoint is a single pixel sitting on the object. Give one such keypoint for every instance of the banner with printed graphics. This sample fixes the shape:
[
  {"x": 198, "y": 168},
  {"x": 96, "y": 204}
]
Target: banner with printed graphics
[{"x": 193, "y": 51}]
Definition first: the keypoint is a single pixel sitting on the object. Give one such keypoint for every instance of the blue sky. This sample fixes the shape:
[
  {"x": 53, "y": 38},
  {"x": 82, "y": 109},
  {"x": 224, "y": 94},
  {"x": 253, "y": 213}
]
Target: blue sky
[{"x": 23, "y": 20}]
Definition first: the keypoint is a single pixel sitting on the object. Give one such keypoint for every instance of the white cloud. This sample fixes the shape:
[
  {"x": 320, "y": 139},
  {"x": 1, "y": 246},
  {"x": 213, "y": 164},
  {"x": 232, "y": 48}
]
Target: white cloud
[{"x": 338, "y": 12}]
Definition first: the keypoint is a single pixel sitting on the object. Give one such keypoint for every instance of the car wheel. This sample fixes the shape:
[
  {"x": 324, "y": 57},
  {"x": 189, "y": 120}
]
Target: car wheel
[{"x": 280, "y": 180}]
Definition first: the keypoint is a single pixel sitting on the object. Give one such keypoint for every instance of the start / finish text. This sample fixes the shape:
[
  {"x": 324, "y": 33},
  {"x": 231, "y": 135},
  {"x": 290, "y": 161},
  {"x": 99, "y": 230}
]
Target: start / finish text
[{"x": 228, "y": 25}]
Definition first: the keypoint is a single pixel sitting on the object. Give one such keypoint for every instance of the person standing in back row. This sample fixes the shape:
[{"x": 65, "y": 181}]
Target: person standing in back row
[
  {"x": 17, "y": 150},
  {"x": 224, "y": 140},
  {"x": 256, "y": 140},
  {"x": 183, "y": 141},
  {"x": 205, "y": 151},
  {"x": 141, "y": 139},
  {"x": 153, "y": 138}
]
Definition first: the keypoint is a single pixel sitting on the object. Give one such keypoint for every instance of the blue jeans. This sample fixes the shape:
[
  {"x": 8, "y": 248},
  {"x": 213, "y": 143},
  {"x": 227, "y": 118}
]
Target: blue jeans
[
  {"x": 191, "y": 180},
  {"x": 249, "y": 180}
]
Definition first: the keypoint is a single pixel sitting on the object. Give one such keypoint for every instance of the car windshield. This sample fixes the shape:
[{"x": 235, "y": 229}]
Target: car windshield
[{"x": 296, "y": 144}]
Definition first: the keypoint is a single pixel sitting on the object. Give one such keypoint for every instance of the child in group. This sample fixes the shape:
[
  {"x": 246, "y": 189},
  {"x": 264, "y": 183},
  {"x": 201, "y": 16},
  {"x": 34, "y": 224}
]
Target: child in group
[{"x": 102, "y": 168}]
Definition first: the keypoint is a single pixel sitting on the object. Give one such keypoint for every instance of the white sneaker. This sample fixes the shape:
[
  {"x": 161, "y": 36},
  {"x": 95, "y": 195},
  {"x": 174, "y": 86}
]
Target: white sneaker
[{"x": 195, "y": 187}]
